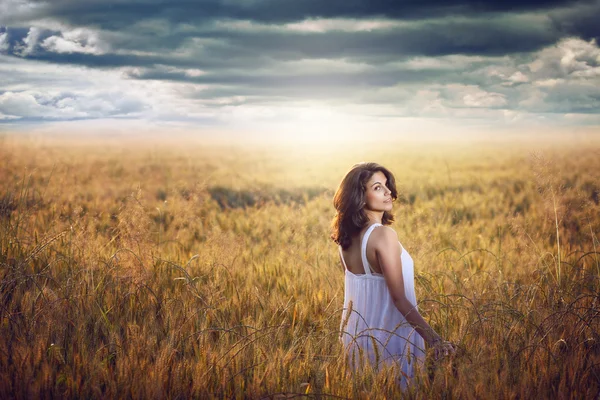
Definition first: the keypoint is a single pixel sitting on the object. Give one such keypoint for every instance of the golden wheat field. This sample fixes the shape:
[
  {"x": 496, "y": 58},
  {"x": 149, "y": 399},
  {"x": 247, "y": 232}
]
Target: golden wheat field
[{"x": 192, "y": 269}]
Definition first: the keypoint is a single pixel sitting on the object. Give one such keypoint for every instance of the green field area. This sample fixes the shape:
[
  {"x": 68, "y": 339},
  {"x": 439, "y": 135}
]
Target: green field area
[{"x": 188, "y": 268}]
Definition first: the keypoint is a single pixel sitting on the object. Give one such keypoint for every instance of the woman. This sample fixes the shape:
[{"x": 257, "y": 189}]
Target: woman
[{"x": 381, "y": 323}]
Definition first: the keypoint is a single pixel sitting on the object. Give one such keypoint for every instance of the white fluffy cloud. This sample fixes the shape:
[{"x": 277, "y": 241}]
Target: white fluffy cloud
[
  {"x": 59, "y": 106},
  {"x": 569, "y": 57},
  {"x": 4, "y": 46},
  {"x": 22, "y": 105},
  {"x": 480, "y": 98},
  {"x": 516, "y": 78},
  {"x": 29, "y": 43},
  {"x": 564, "y": 78},
  {"x": 75, "y": 41},
  {"x": 460, "y": 96}
]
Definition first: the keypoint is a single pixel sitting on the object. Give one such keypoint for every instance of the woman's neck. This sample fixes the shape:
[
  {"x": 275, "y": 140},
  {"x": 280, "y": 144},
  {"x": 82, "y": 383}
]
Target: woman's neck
[{"x": 375, "y": 217}]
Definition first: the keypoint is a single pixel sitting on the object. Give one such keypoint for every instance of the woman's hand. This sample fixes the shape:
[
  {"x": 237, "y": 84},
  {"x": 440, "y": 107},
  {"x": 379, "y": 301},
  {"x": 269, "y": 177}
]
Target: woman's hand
[{"x": 443, "y": 348}]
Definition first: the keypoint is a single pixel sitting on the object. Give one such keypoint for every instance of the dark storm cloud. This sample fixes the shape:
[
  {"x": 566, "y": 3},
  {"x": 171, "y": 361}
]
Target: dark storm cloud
[
  {"x": 428, "y": 39},
  {"x": 117, "y": 14},
  {"x": 102, "y": 60},
  {"x": 582, "y": 21},
  {"x": 226, "y": 48},
  {"x": 485, "y": 30},
  {"x": 284, "y": 81},
  {"x": 160, "y": 27}
]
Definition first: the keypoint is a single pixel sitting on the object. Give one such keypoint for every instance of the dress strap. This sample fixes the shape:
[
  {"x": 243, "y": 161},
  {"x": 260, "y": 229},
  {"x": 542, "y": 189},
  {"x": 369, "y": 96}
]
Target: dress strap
[
  {"x": 342, "y": 257},
  {"x": 363, "y": 248}
]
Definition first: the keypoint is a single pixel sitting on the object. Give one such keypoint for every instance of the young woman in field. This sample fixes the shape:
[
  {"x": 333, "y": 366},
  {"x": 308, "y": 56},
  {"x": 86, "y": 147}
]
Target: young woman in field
[{"x": 381, "y": 323}]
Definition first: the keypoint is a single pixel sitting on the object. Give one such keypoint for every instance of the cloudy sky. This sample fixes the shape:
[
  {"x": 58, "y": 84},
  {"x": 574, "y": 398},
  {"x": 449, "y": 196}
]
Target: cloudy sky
[{"x": 299, "y": 65}]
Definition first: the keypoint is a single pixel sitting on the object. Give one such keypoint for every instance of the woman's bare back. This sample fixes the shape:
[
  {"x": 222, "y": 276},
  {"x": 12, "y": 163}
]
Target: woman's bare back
[{"x": 353, "y": 259}]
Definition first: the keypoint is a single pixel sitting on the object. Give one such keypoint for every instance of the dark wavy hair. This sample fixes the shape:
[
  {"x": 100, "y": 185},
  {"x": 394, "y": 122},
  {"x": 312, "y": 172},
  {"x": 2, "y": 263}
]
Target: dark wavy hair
[{"x": 349, "y": 202}]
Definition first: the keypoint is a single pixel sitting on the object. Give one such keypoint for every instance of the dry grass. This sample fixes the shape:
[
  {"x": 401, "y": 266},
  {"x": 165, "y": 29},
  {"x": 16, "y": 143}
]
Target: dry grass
[{"x": 196, "y": 270}]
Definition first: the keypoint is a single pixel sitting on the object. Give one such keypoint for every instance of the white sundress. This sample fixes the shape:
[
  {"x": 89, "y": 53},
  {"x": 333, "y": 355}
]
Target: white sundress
[{"x": 375, "y": 320}]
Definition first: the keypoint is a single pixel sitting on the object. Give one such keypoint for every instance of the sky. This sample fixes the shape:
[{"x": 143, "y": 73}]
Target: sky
[{"x": 302, "y": 67}]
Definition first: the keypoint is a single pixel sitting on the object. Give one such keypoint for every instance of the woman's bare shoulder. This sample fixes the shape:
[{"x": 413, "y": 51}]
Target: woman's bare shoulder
[
  {"x": 384, "y": 236},
  {"x": 386, "y": 241}
]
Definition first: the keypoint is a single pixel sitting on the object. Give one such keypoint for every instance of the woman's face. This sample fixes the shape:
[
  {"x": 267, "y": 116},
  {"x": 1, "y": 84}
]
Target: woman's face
[{"x": 378, "y": 196}]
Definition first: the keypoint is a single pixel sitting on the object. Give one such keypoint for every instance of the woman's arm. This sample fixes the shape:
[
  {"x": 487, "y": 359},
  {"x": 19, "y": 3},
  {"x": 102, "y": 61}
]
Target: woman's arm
[{"x": 387, "y": 250}]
